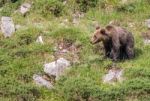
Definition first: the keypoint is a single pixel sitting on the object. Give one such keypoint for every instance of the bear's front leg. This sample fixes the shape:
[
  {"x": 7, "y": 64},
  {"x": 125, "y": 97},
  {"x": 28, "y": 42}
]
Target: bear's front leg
[
  {"x": 107, "y": 53},
  {"x": 114, "y": 55},
  {"x": 115, "y": 51},
  {"x": 108, "y": 48},
  {"x": 130, "y": 52}
]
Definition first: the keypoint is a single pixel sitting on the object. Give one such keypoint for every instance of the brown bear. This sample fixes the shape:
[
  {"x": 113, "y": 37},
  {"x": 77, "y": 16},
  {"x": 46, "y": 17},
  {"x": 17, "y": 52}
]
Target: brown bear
[{"x": 118, "y": 42}]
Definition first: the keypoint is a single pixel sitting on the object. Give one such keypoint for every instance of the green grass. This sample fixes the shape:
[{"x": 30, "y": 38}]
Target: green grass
[{"x": 21, "y": 56}]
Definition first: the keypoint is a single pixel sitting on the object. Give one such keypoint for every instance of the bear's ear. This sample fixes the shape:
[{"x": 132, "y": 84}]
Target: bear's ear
[
  {"x": 109, "y": 27},
  {"x": 97, "y": 27},
  {"x": 103, "y": 31}
]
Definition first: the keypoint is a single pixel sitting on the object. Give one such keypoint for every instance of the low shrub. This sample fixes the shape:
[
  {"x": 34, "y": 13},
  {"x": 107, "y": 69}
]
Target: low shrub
[
  {"x": 47, "y": 7},
  {"x": 9, "y": 6},
  {"x": 3, "y": 2},
  {"x": 84, "y": 5},
  {"x": 70, "y": 34},
  {"x": 126, "y": 7},
  {"x": 78, "y": 89},
  {"x": 81, "y": 88}
]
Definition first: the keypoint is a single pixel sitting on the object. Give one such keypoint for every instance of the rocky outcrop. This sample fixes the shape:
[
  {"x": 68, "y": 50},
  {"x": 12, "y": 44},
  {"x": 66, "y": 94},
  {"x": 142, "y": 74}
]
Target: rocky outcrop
[
  {"x": 7, "y": 26},
  {"x": 57, "y": 67}
]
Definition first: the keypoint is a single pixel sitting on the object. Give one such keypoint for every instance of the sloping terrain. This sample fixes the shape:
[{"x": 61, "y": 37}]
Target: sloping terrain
[{"x": 72, "y": 21}]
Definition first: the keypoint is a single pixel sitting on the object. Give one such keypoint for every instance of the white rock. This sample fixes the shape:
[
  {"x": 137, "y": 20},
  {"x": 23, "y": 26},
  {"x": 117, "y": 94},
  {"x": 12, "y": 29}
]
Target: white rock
[
  {"x": 113, "y": 76},
  {"x": 147, "y": 23},
  {"x": 56, "y": 68},
  {"x": 7, "y": 26},
  {"x": 40, "y": 40},
  {"x": 39, "y": 80},
  {"x": 119, "y": 75},
  {"x": 146, "y": 41},
  {"x": 25, "y": 8}
]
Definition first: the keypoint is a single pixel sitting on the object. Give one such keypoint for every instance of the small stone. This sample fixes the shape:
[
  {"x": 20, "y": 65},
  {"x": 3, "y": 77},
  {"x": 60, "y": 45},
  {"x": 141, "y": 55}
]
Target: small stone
[
  {"x": 25, "y": 8},
  {"x": 7, "y": 26},
  {"x": 65, "y": 2},
  {"x": 40, "y": 81},
  {"x": 40, "y": 40}
]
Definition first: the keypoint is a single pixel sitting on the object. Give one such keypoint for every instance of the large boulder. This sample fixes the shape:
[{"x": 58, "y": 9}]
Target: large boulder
[
  {"x": 57, "y": 67},
  {"x": 7, "y": 26}
]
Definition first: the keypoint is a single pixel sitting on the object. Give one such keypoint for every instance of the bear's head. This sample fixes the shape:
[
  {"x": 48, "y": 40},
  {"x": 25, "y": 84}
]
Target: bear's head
[{"x": 99, "y": 35}]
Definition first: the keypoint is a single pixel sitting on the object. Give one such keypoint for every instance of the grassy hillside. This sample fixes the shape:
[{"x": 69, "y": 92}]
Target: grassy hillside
[{"x": 21, "y": 56}]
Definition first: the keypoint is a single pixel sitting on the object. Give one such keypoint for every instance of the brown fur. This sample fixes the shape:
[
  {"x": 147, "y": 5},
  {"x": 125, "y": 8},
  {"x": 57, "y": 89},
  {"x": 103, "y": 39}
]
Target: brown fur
[{"x": 117, "y": 41}]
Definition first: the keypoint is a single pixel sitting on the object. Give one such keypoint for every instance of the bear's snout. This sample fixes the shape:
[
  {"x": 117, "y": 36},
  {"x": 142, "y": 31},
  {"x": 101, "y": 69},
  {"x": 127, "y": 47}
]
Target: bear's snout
[{"x": 92, "y": 40}]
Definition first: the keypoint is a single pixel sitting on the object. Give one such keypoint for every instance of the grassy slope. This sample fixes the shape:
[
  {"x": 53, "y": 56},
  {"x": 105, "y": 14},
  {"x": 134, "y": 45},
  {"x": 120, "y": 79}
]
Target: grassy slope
[{"x": 21, "y": 57}]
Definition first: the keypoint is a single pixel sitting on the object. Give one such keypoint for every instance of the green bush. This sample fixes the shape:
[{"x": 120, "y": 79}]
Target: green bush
[
  {"x": 77, "y": 89},
  {"x": 84, "y": 5},
  {"x": 47, "y": 7},
  {"x": 9, "y": 7},
  {"x": 10, "y": 87},
  {"x": 3, "y": 2},
  {"x": 126, "y": 8},
  {"x": 83, "y": 89}
]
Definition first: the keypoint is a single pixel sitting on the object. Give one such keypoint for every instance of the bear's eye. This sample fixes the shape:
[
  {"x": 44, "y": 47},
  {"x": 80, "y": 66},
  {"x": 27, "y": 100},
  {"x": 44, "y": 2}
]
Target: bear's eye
[{"x": 95, "y": 36}]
